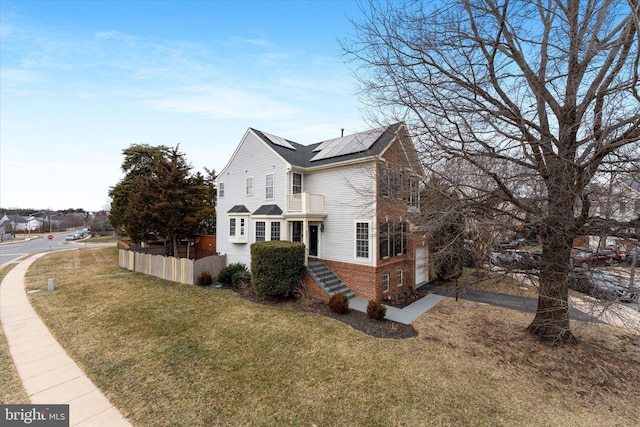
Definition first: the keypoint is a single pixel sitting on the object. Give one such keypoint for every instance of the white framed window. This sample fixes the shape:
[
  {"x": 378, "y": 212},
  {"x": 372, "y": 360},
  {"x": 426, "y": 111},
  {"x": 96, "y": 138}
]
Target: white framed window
[
  {"x": 261, "y": 232},
  {"x": 275, "y": 230},
  {"x": 414, "y": 193},
  {"x": 221, "y": 190},
  {"x": 232, "y": 227},
  {"x": 296, "y": 184},
  {"x": 400, "y": 278},
  {"x": 385, "y": 283},
  {"x": 362, "y": 240},
  {"x": 269, "y": 191},
  {"x": 249, "y": 186},
  {"x": 238, "y": 228},
  {"x": 296, "y": 231}
]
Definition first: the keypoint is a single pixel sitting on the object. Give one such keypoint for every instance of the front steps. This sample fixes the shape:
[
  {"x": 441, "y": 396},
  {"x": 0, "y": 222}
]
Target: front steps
[{"x": 328, "y": 281}]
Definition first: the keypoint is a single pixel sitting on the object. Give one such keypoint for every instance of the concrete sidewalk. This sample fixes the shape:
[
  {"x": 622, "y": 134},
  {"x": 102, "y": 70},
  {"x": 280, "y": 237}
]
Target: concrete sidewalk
[
  {"x": 48, "y": 374},
  {"x": 401, "y": 315}
]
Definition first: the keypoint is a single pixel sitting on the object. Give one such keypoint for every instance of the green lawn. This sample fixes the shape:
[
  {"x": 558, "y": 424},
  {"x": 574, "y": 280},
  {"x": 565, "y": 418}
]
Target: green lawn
[{"x": 168, "y": 354}]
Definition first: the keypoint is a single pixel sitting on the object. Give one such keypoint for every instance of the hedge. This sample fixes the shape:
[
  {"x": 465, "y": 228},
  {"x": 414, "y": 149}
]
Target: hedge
[{"x": 277, "y": 267}]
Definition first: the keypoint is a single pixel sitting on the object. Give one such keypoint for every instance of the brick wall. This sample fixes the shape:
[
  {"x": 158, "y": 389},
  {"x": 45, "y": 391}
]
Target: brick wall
[
  {"x": 312, "y": 289},
  {"x": 366, "y": 281}
]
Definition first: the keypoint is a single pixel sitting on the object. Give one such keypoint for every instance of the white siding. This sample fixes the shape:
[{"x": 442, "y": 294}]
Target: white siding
[
  {"x": 349, "y": 197},
  {"x": 252, "y": 158}
]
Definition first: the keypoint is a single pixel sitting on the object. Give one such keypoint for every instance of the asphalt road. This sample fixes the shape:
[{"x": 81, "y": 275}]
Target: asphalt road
[
  {"x": 12, "y": 250},
  {"x": 512, "y": 302}
]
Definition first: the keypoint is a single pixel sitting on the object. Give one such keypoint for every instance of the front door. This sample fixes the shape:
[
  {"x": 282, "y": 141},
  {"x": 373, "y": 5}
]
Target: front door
[{"x": 313, "y": 240}]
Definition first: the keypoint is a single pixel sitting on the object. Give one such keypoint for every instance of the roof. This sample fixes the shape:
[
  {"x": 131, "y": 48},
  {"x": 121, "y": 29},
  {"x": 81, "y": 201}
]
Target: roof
[
  {"x": 268, "y": 210},
  {"x": 351, "y": 147},
  {"x": 238, "y": 209},
  {"x": 18, "y": 219}
]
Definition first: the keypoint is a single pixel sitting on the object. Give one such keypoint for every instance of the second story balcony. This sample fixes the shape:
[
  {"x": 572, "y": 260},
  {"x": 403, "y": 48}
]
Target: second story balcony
[{"x": 305, "y": 204}]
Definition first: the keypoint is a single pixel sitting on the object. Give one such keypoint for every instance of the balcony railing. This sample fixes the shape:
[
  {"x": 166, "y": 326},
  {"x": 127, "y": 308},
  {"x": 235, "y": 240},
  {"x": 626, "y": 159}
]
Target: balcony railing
[{"x": 305, "y": 203}]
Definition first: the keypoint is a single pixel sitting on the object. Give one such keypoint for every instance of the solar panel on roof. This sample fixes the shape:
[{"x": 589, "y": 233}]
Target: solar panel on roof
[
  {"x": 347, "y": 145},
  {"x": 328, "y": 143},
  {"x": 279, "y": 141}
]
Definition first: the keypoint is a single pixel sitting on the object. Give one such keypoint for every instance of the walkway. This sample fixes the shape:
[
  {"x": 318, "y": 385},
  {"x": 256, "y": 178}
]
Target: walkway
[
  {"x": 401, "y": 315},
  {"x": 48, "y": 374}
]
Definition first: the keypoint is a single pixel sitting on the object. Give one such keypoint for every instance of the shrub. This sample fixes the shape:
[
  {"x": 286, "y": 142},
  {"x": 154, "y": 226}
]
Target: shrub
[
  {"x": 376, "y": 310},
  {"x": 277, "y": 267},
  {"x": 240, "y": 278},
  {"x": 204, "y": 279},
  {"x": 339, "y": 303},
  {"x": 226, "y": 275}
]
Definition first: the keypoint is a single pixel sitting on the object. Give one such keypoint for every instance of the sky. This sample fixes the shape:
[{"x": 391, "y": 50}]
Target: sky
[{"x": 82, "y": 80}]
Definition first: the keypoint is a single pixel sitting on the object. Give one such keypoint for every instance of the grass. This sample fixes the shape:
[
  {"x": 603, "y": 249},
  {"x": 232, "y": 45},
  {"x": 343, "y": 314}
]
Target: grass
[
  {"x": 179, "y": 355},
  {"x": 518, "y": 284},
  {"x": 100, "y": 239},
  {"x": 11, "y": 390}
]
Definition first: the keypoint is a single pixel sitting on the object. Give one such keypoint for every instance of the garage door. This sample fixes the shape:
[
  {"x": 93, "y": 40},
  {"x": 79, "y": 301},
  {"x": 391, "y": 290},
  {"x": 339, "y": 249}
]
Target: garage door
[{"x": 422, "y": 270}]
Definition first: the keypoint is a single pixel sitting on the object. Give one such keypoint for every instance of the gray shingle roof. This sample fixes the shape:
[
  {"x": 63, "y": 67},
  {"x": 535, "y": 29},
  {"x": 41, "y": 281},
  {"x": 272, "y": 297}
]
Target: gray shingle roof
[
  {"x": 238, "y": 209},
  {"x": 268, "y": 210},
  {"x": 301, "y": 155}
]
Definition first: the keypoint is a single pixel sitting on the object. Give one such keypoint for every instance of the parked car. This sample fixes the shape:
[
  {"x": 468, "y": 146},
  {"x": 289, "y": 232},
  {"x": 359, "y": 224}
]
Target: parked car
[
  {"x": 633, "y": 253},
  {"x": 609, "y": 256},
  {"x": 536, "y": 258},
  {"x": 71, "y": 237},
  {"x": 602, "y": 285},
  {"x": 586, "y": 259},
  {"x": 515, "y": 258}
]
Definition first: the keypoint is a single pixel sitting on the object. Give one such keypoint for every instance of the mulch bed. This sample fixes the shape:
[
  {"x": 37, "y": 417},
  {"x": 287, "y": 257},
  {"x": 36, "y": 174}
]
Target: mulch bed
[{"x": 356, "y": 319}]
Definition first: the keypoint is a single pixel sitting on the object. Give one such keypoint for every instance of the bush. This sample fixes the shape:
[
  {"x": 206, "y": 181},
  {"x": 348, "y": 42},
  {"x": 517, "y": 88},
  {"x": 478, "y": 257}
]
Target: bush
[
  {"x": 376, "y": 310},
  {"x": 240, "y": 278},
  {"x": 277, "y": 267},
  {"x": 204, "y": 279},
  {"x": 227, "y": 274},
  {"x": 339, "y": 303}
]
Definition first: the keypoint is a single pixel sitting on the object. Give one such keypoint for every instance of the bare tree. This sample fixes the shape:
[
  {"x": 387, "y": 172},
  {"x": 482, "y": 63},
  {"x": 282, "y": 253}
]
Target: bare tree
[{"x": 536, "y": 97}]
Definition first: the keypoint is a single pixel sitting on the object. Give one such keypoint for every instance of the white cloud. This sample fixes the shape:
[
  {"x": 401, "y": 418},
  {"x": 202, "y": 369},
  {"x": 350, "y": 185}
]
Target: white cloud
[
  {"x": 117, "y": 35},
  {"x": 223, "y": 103}
]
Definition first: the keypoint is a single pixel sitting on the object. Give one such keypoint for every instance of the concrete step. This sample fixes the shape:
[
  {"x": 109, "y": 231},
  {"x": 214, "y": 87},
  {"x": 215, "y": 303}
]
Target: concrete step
[{"x": 327, "y": 280}]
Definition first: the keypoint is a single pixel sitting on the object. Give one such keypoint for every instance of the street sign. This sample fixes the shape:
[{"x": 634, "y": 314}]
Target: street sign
[{"x": 50, "y": 237}]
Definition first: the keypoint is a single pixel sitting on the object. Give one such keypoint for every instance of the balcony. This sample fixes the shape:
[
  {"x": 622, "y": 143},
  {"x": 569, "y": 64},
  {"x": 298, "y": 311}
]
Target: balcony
[{"x": 305, "y": 205}]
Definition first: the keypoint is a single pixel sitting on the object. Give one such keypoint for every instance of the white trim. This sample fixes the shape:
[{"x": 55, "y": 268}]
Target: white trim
[
  {"x": 239, "y": 236},
  {"x": 246, "y": 186},
  {"x": 244, "y": 137},
  {"x": 273, "y": 186},
  {"x": 388, "y": 284},
  {"x": 264, "y": 230},
  {"x": 355, "y": 239},
  {"x": 301, "y": 182}
]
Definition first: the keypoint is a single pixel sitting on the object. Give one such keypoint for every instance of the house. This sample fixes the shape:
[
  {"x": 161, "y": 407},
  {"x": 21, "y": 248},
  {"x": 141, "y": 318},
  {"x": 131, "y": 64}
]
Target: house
[
  {"x": 15, "y": 222},
  {"x": 614, "y": 200},
  {"x": 350, "y": 200}
]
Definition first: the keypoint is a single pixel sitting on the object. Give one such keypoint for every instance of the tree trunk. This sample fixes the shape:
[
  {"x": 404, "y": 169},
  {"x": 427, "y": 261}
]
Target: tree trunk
[
  {"x": 551, "y": 322},
  {"x": 174, "y": 240}
]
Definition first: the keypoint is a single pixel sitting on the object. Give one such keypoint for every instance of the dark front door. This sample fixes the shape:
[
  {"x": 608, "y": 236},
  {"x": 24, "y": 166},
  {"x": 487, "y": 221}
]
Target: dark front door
[{"x": 313, "y": 240}]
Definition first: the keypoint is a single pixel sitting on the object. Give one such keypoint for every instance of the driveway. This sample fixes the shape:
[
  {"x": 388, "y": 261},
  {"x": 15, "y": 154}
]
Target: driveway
[{"x": 512, "y": 302}]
